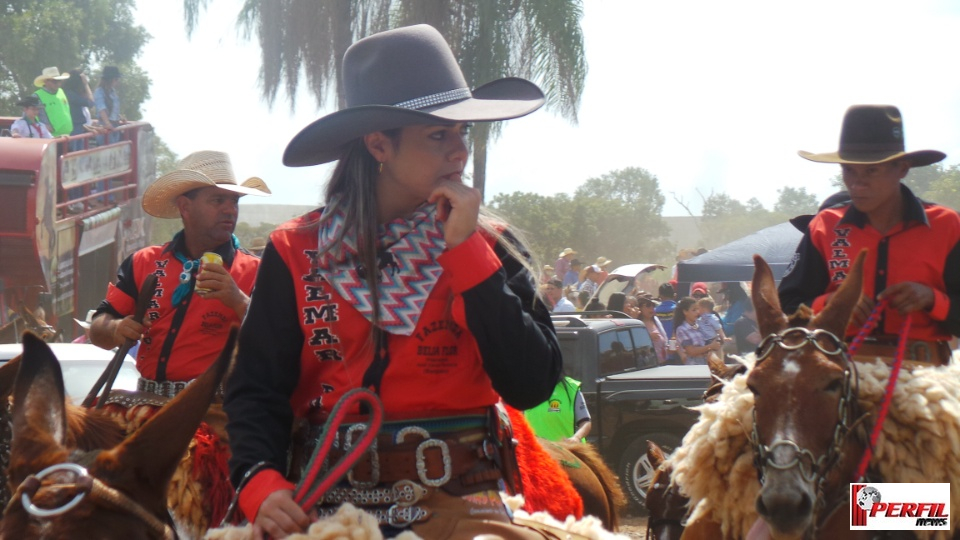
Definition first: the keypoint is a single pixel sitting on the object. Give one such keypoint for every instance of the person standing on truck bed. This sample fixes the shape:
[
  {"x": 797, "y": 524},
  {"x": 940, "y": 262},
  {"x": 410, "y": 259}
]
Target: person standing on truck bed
[
  {"x": 55, "y": 112},
  {"x": 184, "y": 328}
]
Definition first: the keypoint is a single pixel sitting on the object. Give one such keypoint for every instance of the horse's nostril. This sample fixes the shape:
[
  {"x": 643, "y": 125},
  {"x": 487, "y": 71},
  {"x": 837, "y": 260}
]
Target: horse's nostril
[{"x": 806, "y": 504}]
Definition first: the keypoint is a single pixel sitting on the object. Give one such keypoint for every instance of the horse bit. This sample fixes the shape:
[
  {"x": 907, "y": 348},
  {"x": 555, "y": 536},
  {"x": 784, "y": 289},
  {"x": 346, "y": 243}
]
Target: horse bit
[
  {"x": 812, "y": 469},
  {"x": 85, "y": 484}
]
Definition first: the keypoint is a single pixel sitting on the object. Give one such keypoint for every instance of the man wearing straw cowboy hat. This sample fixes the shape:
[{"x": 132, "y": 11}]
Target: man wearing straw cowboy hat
[
  {"x": 196, "y": 301},
  {"x": 913, "y": 258},
  {"x": 56, "y": 109}
]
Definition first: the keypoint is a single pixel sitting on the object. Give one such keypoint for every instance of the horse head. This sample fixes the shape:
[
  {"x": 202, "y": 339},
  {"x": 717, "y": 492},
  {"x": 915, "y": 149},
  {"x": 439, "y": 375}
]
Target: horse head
[
  {"x": 119, "y": 492},
  {"x": 804, "y": 390},
  {"x": 666, "y": 505}
]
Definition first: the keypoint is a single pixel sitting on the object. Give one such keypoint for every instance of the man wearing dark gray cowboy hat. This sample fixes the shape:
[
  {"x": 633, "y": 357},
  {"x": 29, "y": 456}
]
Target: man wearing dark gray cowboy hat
[
  {"x": 401, "y": 284},
  {"x": 913, "y": 246},
  {"x": 197, "y": 298}
]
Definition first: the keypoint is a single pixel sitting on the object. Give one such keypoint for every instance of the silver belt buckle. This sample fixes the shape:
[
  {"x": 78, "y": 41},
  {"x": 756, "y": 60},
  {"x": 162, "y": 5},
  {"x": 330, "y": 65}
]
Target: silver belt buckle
[{"x": 374, "y": 458}]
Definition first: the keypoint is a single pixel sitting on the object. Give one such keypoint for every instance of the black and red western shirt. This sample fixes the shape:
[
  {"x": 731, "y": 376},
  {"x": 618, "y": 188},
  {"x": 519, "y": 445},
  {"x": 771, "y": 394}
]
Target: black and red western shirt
[
  {"x": 186, "y": 338},
  {"x": 923, "y": 248}
]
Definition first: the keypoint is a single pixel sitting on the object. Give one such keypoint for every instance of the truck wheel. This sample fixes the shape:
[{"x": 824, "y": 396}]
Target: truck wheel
[{"x": 636, "y": 472}]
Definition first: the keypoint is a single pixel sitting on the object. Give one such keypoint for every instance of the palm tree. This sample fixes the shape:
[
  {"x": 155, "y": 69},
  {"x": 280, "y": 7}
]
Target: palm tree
[{"x": 537, "y": 39}]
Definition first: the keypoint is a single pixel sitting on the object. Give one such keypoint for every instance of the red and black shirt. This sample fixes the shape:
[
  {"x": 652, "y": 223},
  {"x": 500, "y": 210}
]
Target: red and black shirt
[
  {"x": 924, "y": 248},
  {"x": 186, "y": 338}
]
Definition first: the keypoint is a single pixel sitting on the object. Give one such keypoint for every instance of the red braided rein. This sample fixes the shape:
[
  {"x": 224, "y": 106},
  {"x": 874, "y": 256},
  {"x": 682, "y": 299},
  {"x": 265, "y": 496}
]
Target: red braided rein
[
  {"x": 868, "y": 327},
  {"x": 313, "y": 486}
]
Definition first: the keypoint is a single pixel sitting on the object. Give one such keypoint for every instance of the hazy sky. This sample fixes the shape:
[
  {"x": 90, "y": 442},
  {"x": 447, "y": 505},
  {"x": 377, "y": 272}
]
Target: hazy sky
[{"x": 708, "y": 96}]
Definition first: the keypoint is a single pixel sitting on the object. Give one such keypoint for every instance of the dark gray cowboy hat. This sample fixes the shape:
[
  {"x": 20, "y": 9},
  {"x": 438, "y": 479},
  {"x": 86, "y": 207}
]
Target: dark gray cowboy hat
[
  {"x": 404, "y": 77},
  {"x": 873, "y": 134},
  {"x": 30, "y": 101}
]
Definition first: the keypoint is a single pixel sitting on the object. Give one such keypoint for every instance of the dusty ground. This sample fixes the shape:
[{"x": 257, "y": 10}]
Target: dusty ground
[{"x": 633, "y": 526}]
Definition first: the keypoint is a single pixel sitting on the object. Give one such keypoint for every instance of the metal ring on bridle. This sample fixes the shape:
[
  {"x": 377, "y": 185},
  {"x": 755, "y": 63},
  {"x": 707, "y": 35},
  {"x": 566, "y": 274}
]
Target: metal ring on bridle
[
  {"x": 802, "y": 336},
  {"x": 28, "y": 505}
]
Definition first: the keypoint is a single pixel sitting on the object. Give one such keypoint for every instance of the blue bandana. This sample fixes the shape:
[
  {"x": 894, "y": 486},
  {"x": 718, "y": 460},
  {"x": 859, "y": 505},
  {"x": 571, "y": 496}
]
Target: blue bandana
[{"x": 190, "y": 269}]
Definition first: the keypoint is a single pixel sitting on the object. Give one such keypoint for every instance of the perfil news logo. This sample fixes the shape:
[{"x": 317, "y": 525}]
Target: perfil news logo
[{"x": 899, "y": 507}]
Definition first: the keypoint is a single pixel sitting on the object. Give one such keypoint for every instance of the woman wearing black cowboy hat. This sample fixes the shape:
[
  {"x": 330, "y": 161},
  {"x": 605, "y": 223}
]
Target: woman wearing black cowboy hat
[
  {"x": 913, "y": 257},
  {"x": 402, "y": 284}
]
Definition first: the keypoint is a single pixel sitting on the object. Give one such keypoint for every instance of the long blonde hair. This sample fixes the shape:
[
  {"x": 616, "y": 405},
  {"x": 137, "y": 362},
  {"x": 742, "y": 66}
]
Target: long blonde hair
[{"x": 353, "y": 186}]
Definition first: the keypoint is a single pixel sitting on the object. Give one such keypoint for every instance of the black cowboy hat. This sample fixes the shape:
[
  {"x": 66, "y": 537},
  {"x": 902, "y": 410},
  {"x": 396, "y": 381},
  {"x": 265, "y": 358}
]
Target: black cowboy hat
[
  {"x": 404, "y": 77},
  {"x": 30, "y": 101},
  {"x": 873, "y": 134}
]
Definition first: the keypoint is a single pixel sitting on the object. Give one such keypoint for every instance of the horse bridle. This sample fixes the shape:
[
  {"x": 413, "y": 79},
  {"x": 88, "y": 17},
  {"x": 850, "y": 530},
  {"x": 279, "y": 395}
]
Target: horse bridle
[
  {"x": 812, "y": 469},
  {"x": 85, "y": 484}
]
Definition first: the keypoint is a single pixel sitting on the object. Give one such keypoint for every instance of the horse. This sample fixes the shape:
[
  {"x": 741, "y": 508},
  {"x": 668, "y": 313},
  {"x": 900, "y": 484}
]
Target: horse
[
  {"x": 807, "y": 434},
  {"x": 27, "y": 321},
  {"x": 597, "y": 485},
  {"x": 117, "y": 492},
  {"x": 667, "y": 507}
]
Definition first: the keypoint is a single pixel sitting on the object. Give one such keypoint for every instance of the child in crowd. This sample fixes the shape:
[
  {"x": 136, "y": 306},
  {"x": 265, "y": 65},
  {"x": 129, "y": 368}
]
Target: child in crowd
[
  {"x": 710, "y": 326},
  {"x": 709, "y": 321}
]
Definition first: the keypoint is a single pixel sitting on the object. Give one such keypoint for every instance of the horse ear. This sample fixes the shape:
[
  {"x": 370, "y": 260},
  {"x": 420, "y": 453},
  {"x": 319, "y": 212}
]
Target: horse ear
[
  {"x": 655, "y": 454},
  {"x": 39, "y": 420},
  {"x": 8, "y": 375},
  {"x": 835, "y": 316},
  {"x": 155, "y": 450},
  {"x": 766, "y": 300}
]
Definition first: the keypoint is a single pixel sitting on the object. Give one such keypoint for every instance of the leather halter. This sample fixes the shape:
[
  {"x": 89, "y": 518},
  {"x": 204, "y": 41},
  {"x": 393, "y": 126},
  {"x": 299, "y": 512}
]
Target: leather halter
[
  {"x": 812, "y": 468},
  {"x": 85, "y": 484}
]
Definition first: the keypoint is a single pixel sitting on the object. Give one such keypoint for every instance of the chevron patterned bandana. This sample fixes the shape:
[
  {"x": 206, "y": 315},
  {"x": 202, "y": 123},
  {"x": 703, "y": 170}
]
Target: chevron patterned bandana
[{"x": 407, "y": 253}]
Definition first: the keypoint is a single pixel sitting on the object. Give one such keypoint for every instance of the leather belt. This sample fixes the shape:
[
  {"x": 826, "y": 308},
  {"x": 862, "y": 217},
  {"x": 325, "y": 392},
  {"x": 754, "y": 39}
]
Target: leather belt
[
  {"x": 432, "y": 462},
  {"x": 161, "y": 388},
  {"x": 168, "y": 389}
]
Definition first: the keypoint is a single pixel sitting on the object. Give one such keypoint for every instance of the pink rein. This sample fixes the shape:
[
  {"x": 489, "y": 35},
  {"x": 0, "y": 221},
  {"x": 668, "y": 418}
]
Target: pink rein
[{"x": 868, "y": 327}]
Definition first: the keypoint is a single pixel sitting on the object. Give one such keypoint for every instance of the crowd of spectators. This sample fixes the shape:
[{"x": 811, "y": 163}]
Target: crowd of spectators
[{"x": 715, "y": 320}]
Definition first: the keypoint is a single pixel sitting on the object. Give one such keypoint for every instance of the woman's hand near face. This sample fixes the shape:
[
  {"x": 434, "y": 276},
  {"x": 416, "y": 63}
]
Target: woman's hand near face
[{"x": 459, "y": 207}]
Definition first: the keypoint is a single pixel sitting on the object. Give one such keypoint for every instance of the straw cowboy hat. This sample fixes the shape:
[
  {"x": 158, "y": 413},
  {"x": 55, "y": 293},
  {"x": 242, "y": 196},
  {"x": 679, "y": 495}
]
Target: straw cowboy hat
[
  {"x": 404, "y": 77},
  {"x": 200, "y": 169},
  {"x": 873, "y": 134},
  {"x": 567, "y": 251},
  {"x": 50, "y": 73},
  {"x": 603, "y": 262}
]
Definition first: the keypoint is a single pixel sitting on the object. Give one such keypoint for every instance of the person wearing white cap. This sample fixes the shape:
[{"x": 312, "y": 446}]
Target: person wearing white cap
[
  {"x": 590, "y": 279},
  {"x": 196, "y": 302}
]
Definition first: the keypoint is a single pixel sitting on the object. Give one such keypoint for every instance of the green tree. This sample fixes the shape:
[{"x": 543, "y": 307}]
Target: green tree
[
  {"x": 793, "y": 201},
  {"x": 616, "y": 215},
  {"x": 69, "y": 34},
  {"x": 725, "y": 219},
  {"x": 541, "y": 219},
  {"x": 945, "y": 190},
  {"x": 536, "y": 39}
]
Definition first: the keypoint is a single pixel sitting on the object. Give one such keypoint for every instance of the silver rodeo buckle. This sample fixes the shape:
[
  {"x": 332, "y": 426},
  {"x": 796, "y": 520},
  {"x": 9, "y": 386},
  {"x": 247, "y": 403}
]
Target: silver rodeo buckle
[
  {"x": 374, "y": 458},
  {"x": 421, "y": 464}
]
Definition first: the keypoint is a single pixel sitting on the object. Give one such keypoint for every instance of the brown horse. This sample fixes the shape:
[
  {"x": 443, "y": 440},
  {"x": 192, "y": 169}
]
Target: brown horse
[
  {"x": 598, "y": 487},
  {"x": 120, "y": 492},
  {"x": 806, "y": 414},
  {"x": 666, "y": 505}
]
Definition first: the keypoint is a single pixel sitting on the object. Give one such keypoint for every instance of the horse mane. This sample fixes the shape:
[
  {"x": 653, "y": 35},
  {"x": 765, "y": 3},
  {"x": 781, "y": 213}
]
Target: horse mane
[
  {"x": 801, "y": 317},
  {"x": 90, "y": 429}
]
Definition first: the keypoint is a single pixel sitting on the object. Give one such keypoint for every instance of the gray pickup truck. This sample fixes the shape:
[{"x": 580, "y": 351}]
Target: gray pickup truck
[{"x": 631, "y": 398}]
